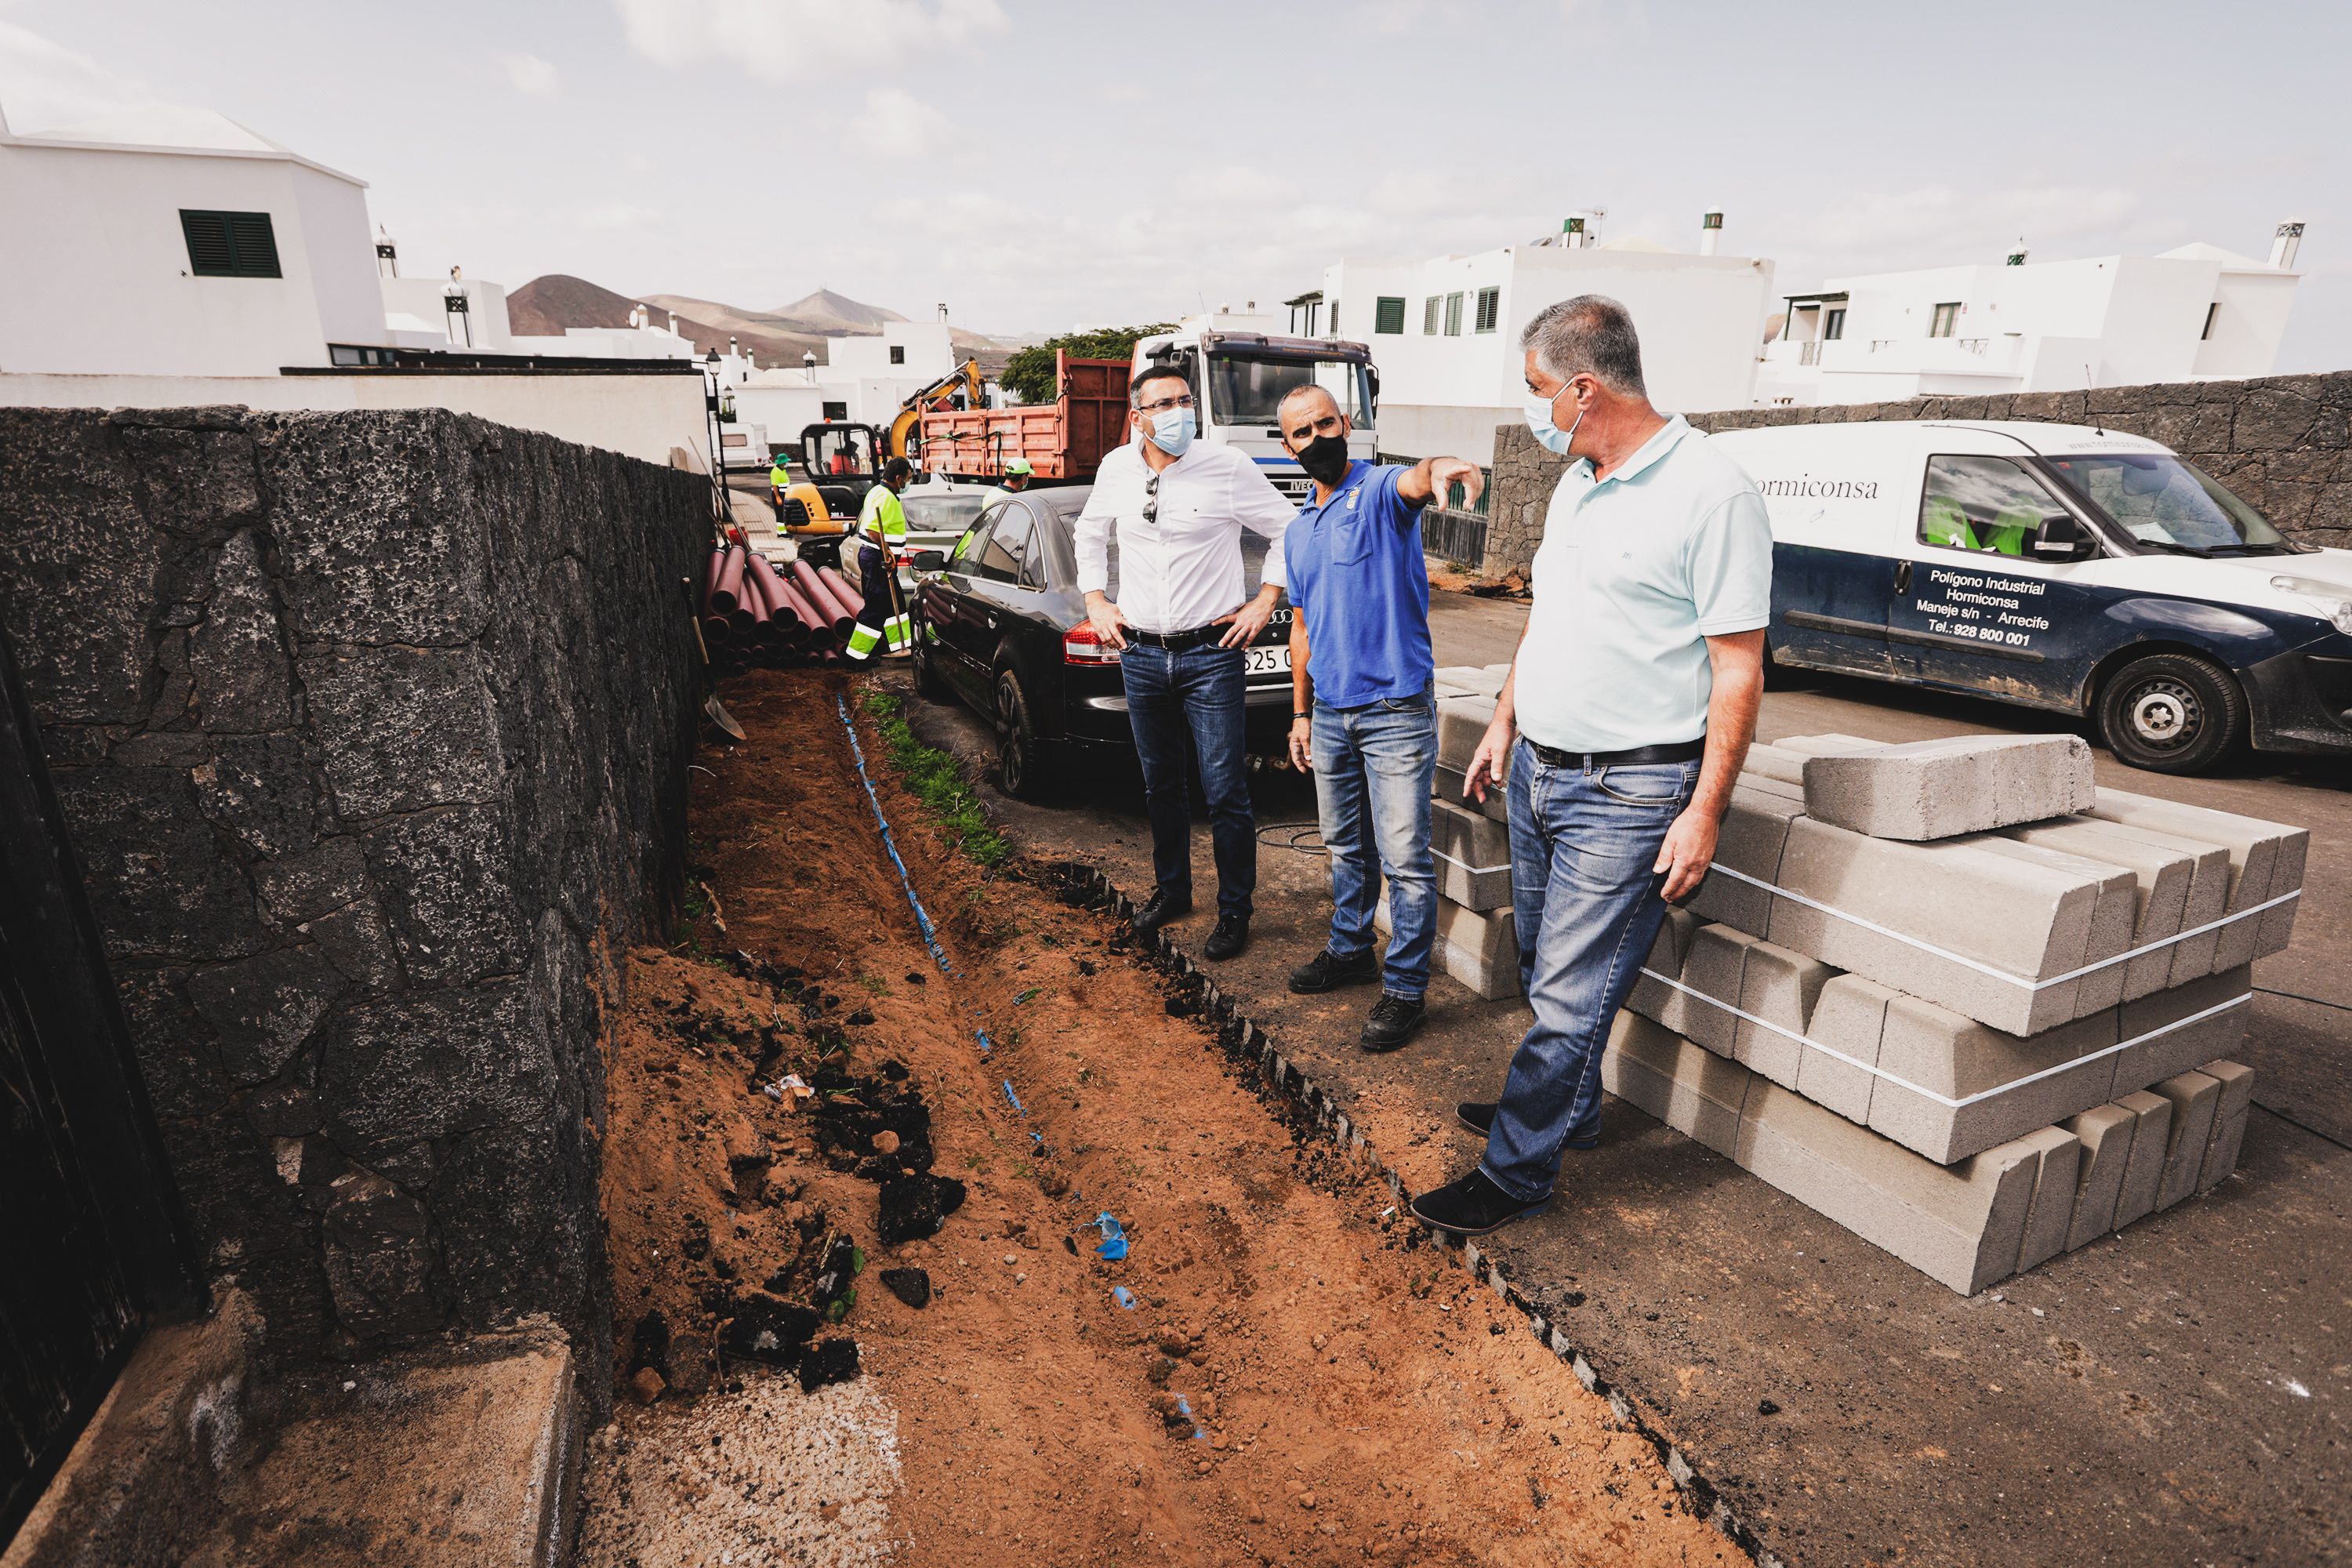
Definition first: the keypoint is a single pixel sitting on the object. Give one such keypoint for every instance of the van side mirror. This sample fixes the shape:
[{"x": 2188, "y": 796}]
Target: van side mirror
[
  {"x": 927, "y": 561},
  {"x": 2060, "y": 538}
]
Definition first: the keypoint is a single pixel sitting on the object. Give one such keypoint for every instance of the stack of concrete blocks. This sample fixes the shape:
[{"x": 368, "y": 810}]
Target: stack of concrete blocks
[
  {"x": 1477, "y": 942},
  {"x": 1944, "y": 913}
]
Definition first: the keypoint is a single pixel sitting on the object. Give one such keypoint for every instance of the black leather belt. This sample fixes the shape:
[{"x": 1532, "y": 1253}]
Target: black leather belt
[
  {"x": 1639, "y": 756},
  {"x": 1176, "y": 642}
]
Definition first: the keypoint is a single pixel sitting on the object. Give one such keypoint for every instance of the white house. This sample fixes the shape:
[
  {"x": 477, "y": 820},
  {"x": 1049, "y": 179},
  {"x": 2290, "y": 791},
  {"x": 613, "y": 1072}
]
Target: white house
[
  {"x": 864, "y": 379},
  {"x": 2196, "y": 313},
  {"x": 1444, "y": 333},
  {"x": 170, "y": 241}
]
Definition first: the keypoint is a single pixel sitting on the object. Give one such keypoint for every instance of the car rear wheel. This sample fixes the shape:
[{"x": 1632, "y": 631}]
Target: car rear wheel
[
  {"x": 1017, "y": 752},
  {"x": 2171, "y": 713}
]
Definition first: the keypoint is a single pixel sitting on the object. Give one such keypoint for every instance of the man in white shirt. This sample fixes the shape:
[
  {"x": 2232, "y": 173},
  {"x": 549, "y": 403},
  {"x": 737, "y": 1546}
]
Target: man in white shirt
[{"x": 1184, "y": 614}]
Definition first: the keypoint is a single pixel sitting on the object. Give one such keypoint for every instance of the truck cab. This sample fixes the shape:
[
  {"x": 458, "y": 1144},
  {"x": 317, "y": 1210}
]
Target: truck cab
[
  {"x": 2062, "y": 567},
  {"x": 1240, "y": 375}
]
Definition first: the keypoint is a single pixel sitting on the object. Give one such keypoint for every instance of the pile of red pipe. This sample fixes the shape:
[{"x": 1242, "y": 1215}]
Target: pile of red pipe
[{"x": 753, "y": 614}]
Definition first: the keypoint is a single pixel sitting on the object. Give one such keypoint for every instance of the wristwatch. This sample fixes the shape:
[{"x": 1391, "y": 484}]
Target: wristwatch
[{"x": 1302, "y": 715}]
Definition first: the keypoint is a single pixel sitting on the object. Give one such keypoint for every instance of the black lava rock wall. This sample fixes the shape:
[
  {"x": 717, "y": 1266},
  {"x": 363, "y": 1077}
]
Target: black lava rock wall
[{"x": 373, "y": 731}]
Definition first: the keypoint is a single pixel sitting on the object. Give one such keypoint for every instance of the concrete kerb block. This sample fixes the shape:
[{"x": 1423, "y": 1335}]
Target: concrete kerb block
[
  {"x": 2021, "y": 917},
  {"x": 1776, "y": 763},
  {"x": 1782, "y": 988},
  {"x": 2230, "y": 1117},
  {"x": 2257, "y": 851},
  {"x": 2105, "y": 1133},
  {"x": 1714, "y": 967},
  {"x": 2195, "y": 1097},
  {"x": 1480, "y": 948},
  {"x": 1667, "y": 953},
  {"x": 1752, "y": 840},
  {"x": 2177, "y": 1050},
  {"x": 1849, "y": 1016},
  {"x": 2164, "y": 878},
  {"x": 1471, "y": 854},
  {"x": 2050, "y": 1216},
  {"x": 2151, "y": 1115},
  {"x": 1938, "y": 1050},
  {"x": 2111, "y": 922},
  {"x": 1462, "y": 723},
  {"x": 1446, "y": 785},
  {"x": 1942, "y": 788}
]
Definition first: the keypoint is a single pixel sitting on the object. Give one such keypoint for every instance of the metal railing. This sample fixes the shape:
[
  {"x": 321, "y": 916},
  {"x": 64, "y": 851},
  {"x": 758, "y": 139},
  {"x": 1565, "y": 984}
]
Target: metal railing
[
  {"x": 1453, "y": 535},
  {"x": 1808, "y": 353}
]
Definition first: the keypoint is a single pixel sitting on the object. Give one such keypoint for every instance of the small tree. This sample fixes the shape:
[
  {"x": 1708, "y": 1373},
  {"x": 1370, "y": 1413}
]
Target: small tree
[{"x": 1029, "y": 374}]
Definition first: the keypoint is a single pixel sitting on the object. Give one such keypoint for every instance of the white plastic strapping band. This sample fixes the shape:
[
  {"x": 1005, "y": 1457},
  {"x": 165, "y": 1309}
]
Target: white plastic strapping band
[
  {"x": 1943, "y": 1099},
  {"x": 1982, "y": 968},
  {"x": 1474, "y": 870}
]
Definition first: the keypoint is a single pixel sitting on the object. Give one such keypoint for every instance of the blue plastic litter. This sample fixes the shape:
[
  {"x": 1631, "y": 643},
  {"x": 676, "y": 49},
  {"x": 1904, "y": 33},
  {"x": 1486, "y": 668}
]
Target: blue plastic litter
[
  {"x": 1014, "y": 1097},
  {"x": 1123, "y": 1296},
  {"x": 1114, "y": 1241},
  {"x": 1186, "y": 1410},
  {"x": 986, "y": 1045},
  {"x": 923, "y": 917}
]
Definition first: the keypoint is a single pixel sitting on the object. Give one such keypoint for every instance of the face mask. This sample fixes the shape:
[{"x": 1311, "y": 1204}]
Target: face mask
[
  {"x": 1551, "y": 437},
  {"x": 1171, "y": 431},
  {"x": 1325, "y": 458}
]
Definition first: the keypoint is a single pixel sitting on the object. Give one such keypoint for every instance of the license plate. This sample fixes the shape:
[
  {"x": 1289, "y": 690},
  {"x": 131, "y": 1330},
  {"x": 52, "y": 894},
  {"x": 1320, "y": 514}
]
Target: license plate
[{"x": 1275, "y": 660}]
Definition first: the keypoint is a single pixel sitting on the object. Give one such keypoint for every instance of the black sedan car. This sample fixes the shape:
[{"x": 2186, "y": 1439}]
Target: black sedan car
[{"x": 1000, "y": 623}]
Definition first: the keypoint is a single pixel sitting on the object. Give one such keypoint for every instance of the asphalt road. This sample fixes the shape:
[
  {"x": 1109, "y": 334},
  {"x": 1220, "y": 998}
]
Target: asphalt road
[{"x": 2175, "y": 1394}]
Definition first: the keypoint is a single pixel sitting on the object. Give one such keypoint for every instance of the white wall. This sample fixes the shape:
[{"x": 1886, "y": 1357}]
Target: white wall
[
  {"x": 94, "y": 272},
  {"x": 426, "y": 299},
  {"x": 1700, "y": 320},
  {"x": 646, "y": 416},
  {"x": 929, "y": 354}
]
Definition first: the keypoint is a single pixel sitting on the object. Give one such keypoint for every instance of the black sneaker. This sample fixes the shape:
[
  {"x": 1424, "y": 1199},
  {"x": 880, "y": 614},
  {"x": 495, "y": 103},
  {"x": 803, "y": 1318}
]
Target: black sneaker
[
  {"x": 1164, "y": 907},
  {"x": 1393, "y": 1021},
  {"x": 1478, "y": 1116},
  {"x": 1472, "y": 1206},
  {"x": 1231, "y": 936},
  {"x": 1326, "y": 970}
]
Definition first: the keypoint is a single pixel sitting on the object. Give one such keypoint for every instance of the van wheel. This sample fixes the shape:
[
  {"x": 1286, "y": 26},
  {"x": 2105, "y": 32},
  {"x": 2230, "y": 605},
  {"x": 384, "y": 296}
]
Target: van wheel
[
  {"x": 2171, "y": 713},
  {"x": 1017, "y": 770}
]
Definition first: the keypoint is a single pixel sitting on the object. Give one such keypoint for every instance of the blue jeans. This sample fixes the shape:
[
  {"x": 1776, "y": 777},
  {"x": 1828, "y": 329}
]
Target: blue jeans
[
  {"x": 1196, "y": 697},
  {"x": 1374, "y": 766},
  {"x": 1583, "y": 841}
]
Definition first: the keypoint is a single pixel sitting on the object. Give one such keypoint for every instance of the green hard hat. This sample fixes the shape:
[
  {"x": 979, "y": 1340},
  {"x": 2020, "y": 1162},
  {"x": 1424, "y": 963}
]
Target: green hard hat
[{"x": 1017, "y": 466}]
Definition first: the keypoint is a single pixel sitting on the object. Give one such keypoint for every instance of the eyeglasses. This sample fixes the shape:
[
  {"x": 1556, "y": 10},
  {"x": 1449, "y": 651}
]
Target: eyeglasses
[
  {"x": 1183, "y": 400},
  {"x": 1152, "y": 497}
]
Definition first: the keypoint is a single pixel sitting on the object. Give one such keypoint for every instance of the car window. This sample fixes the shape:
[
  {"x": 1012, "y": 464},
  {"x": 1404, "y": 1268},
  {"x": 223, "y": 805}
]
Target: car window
[
  {"x": 1033, "y": 574},
  {"x": 941, "y": 514},
  {"x": 1988, "y": 505},
  {"x": 961, "y": 557},
  {"x": 1008, "y": 542},
  {"x": 2159, "y": 500}
]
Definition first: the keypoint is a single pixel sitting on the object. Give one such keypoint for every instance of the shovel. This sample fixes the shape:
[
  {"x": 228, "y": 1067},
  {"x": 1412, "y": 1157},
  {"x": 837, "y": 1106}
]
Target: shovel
[{"x": 712, "y": 709}]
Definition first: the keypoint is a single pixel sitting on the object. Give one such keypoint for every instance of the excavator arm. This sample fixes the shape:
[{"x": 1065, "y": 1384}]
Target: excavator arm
[{"x": 965, "y": 378}]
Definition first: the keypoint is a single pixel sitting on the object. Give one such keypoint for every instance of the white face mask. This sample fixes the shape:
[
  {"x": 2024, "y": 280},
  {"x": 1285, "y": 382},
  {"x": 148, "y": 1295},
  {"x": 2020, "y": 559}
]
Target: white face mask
[{"x": 1551, "y": 437}]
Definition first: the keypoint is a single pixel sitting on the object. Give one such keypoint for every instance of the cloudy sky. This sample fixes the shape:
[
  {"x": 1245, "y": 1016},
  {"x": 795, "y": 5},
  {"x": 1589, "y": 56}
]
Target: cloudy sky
[{"x": 1036, "y": 163}]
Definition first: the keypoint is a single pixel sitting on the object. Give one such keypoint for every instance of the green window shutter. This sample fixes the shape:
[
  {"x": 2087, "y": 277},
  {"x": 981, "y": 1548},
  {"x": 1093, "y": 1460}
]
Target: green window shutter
[
  {"x": 1454, "y": 315},
  {"x": 1490, "y": 302},
  {"x": 1388, "y": 315},
  {"x": 1429, "y": 317},
  {"x": 230, "y": 244}
]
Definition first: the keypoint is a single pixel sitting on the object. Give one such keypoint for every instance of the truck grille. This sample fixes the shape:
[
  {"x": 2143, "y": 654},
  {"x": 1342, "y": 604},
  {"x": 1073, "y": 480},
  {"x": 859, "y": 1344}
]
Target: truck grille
[{"x": 1297, "y": 489}]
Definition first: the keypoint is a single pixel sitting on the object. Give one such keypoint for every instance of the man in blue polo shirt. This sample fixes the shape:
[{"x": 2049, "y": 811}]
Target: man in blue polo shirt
[{"x": 1363, "y": 711}]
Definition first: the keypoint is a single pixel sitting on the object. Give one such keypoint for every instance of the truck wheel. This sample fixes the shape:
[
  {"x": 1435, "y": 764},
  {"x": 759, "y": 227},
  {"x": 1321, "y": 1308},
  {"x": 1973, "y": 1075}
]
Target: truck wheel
[
  {"x": 1017, "y": 752},
  {"x": 2171, "y": 713}
]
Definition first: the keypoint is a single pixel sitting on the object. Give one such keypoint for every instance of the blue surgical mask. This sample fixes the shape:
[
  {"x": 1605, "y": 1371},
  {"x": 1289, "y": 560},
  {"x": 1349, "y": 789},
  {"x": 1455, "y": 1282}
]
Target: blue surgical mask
[
  {"x": 1171, "y": 431},
  {"x": 1551, "y": 437}
]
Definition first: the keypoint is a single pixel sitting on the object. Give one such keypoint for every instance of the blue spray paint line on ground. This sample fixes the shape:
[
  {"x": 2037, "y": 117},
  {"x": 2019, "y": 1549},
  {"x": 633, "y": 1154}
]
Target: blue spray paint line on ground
[
  {"x": 1114, "y": 1241},
  {"x": 922, "y": 917},
  {"x": 1015, "y": 1099},
  {"x": 1123, "y": 1296}
]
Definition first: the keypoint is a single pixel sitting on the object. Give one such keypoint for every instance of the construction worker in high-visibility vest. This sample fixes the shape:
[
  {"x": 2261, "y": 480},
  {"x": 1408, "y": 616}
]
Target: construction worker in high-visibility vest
[
  {"x": 780, "y": 480},
  {"x": 1018, "y": 477},
  {"x": 881, "y": 537}
]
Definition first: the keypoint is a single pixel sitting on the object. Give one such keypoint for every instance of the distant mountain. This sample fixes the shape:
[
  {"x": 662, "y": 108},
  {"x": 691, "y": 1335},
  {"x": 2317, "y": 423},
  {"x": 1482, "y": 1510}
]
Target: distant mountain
[{"x": 545, "y": 306}]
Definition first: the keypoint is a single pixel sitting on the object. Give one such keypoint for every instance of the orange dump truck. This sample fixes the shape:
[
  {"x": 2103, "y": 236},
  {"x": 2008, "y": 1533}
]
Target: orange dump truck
[{"x": 1064, "y": 440}]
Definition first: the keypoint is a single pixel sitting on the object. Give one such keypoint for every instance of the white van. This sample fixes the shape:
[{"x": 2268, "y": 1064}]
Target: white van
[{"x": 2055, "y": 566}]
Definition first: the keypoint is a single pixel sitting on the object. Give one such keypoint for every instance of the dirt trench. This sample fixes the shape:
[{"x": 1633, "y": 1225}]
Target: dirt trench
[{"x": 1279, "y": 1370}]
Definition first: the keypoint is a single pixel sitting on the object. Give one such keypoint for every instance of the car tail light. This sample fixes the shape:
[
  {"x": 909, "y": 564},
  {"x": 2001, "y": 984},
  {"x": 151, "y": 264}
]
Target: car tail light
[{"x": 1084, "y": 644}]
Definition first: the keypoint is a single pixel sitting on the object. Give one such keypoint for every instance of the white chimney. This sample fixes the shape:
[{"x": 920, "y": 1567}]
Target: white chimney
[
  {"x": 2285, "y": 243},
  {"x": 387, "y": 255},
  {"x": 1710, "y": 231},
  {"x": 2016, "y": 256},
  {"x": 673, "y": 325},
  {"x": 1571, "y": 232},
  {"x": 1250, "y": 307},
  {"x": 730, "y": 346}
]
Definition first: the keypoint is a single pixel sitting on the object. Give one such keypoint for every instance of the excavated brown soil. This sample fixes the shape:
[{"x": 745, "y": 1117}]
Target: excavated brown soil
[{"x": 1352, "y": 1397}]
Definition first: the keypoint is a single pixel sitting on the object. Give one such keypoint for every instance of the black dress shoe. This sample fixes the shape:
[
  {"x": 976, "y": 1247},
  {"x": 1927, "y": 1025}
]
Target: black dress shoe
[
  {"x": 1478, "y": 1116},
  {"x": 1231, "y": 936},
  {"x": 1393, "y": 1021},
  {"x": 1162, "y": 907},
  {"x": 1472, "y": 1206},
  {"x": 1326, "y": 970}
]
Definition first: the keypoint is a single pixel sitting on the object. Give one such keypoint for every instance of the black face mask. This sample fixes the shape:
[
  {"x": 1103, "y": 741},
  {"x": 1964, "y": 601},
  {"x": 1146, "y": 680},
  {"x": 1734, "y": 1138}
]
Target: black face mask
[{"x": 1325, "y": 458}]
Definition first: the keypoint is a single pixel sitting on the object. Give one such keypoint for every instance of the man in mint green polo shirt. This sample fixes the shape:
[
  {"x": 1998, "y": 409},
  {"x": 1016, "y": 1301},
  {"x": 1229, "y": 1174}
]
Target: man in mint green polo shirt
[
  {"x": 1363, "y": 705},
  {"x": 1643, "y": 666}
]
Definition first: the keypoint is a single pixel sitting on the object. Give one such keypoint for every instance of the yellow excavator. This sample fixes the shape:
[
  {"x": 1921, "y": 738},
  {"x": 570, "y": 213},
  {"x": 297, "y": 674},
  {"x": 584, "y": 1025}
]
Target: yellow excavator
[
  {"x": 906, "y": 429},
  {"x": 842, "y": 460}
]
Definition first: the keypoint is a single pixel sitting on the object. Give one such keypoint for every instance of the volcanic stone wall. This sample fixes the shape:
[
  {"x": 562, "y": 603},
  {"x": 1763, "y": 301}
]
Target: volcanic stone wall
[
  {"x": 372, "y": 729},
  {"x": 2280, "y": 442}
]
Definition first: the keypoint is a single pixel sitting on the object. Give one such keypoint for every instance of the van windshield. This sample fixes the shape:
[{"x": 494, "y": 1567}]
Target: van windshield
[
  {"x": 2159, "y": 500},
  {"x": 1245, "y": 389}
]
